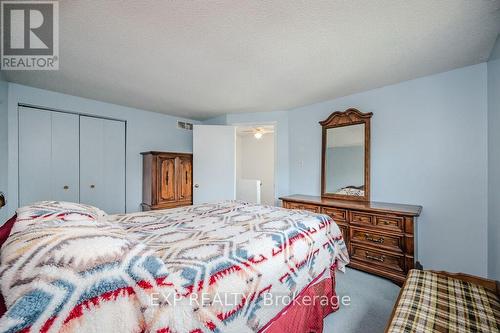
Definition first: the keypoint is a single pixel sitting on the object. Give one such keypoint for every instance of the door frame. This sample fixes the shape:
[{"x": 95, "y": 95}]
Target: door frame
[
  {"x": 275, "y": 134},
  {"x": 79, "y": 114}
]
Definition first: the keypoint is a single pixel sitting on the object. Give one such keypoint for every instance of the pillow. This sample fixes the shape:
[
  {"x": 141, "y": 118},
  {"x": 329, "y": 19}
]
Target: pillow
[{"x": 60, "y": 211}]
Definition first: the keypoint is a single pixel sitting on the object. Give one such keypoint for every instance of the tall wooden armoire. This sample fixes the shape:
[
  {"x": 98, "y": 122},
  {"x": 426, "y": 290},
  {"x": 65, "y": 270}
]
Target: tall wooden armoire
[{"x": 166, "y": 180}]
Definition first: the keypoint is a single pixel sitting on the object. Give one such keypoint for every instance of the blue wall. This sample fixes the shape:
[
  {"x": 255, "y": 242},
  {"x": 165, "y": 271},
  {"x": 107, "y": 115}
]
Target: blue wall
[
  {"x": 280, "y": 120},
  {"x": 145, "y": 131},
  {"x": 429, "y": 147},
  {"x": 3, "y": 143},
  {"x": 219, "y": 120},
  {"x": 494, "y": 162}
]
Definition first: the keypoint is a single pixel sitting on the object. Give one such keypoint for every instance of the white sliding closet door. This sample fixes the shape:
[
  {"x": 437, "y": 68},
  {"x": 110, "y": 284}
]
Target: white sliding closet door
[
  {"x": 102, "y": 164},
  {"x": 65, "y": 164},
  {"x": 35, "y": 145},
  {"x": 48, "y": 156}
]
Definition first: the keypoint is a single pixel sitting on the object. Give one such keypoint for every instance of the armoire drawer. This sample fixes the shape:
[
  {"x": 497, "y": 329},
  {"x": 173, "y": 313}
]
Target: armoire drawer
[
  {"x": 381, "y": 259},
  {"x": 375, "y": 239},
  {"x": 338, "y": 215},
  {"x": 303, "y": 206}
]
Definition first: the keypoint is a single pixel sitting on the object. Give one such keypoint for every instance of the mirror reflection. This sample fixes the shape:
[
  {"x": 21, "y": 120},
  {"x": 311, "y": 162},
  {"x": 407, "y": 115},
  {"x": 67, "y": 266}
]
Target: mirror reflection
[{"x": 345, "y": 160}]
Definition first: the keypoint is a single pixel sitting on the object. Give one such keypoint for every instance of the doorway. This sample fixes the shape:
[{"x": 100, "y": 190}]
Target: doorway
[{"x": 255, "y": 163}]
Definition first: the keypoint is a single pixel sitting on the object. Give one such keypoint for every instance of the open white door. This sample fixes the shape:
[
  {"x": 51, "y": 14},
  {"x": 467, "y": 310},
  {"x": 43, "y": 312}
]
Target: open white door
[{"x": 214, "y": 163}]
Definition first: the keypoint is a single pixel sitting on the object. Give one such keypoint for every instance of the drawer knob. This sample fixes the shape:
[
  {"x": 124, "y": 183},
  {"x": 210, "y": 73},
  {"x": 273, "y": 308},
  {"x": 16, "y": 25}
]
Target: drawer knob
[
  {"x": 92, "y": 186},
  {"x": 381, "y": 258},
  {"x": 66, "y": 187},
  {"x": 374, "y": 240}
]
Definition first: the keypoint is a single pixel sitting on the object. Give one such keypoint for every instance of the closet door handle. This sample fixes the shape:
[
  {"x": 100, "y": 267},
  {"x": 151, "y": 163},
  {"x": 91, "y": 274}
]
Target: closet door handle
[
  {"x": 167, "y": 179},
  {"x": 186, "y": 177}
]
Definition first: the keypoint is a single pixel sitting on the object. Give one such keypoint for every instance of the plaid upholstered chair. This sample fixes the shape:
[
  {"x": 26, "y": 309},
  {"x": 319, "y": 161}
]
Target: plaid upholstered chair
[{"x": 444, "y": 302}]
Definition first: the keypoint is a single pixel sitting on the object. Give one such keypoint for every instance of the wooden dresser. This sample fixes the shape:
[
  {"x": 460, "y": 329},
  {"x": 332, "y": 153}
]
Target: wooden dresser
[
  {"x": 380, "y": 236},
  {"x": 166, "y": 180}
]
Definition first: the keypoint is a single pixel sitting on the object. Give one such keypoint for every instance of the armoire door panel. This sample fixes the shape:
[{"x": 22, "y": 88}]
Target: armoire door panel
[
  {"x": 167, "y": 180},
  {"x": 102, "y": 163},
  {"x": 166, "y": 188},
  {"x": 35, "y": 140},
  {"x": 185, "y": 178},
  {"x": 65, "y": 157}
]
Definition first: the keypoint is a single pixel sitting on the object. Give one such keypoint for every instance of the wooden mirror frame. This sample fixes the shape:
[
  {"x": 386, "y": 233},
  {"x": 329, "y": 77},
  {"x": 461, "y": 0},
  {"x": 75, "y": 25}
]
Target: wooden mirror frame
[{"x": 349, "y": 117}]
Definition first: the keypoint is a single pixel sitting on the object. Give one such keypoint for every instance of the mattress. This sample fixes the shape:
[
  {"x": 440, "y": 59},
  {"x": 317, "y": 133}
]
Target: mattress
[{"x": 224, "y": 267}]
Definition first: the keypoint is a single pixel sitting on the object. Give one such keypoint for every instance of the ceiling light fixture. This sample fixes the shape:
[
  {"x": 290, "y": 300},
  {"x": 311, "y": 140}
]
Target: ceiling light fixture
[{"x": 258, "y": 134}]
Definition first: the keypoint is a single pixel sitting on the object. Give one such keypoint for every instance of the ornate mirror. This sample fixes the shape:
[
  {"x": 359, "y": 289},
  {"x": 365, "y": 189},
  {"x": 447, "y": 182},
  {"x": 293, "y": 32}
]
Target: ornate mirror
[{"x": 345, "y": 171}]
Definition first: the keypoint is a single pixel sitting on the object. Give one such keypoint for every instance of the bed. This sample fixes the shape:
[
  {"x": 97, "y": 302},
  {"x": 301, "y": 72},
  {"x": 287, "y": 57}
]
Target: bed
[{"x": 225, "y": 267}]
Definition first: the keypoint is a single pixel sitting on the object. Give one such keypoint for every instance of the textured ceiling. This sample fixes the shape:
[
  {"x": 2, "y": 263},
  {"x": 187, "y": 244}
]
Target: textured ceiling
[{"x": 200, "y": 59}]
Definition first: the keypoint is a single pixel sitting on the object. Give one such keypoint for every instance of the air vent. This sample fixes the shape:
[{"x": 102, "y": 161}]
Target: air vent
[{"x": 184, "y": 125}]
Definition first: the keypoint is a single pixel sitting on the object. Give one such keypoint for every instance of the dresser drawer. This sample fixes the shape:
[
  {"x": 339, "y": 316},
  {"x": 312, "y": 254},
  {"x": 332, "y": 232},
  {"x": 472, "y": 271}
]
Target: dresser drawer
[
  {"x": 345, "y": 232},
  {"x": 375, "y": 258},
  {"x": 395, "y": 223},
  {"x": 337, "y": 214},
  {"x": 386, "y": 222},
  {"x": 301, "y": 206},
  {"x": 361, "y": 218},
  {"x": 376, "y": 239}
]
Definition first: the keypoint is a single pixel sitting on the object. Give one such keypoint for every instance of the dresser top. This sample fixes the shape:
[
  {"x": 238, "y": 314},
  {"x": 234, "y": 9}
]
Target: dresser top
[
  {"x": 372, "y": 206},
  {"x": 154, "y": 152}
]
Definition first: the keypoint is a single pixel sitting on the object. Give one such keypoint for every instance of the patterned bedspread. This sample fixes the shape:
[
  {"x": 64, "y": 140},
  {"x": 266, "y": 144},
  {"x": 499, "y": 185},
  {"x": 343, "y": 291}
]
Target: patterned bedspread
[{"x": 227, "y": 267}]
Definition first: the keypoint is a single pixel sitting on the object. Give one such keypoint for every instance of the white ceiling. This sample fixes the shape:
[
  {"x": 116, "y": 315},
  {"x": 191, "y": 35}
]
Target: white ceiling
[{"x": 204, "y": 58}]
